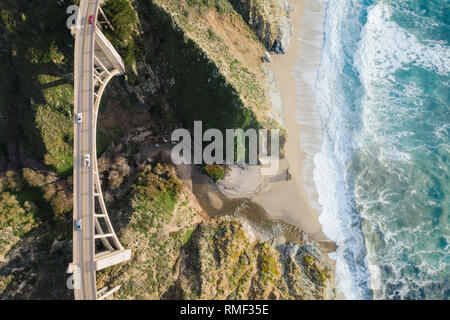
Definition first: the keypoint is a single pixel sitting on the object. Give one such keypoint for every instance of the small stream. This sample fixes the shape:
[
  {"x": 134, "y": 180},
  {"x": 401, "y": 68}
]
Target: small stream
[{"x": 254, "y": 214}]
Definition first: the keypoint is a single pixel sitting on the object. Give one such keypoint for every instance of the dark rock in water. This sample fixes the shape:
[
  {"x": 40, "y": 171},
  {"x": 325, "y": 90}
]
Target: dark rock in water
[{"x": 266, "y": 57}]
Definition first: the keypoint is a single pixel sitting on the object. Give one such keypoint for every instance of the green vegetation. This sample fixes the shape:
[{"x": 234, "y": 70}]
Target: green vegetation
[
  {"x": 315, "y": 270},
  {"x": 29, "y": 196},
  {"x": 123, "y": 18},
  {"x": 15, "y": 217},
  {"x": 269, "y": 262},
  {"x": 186, "y": 60},
  {"x": 193, "y": 74},
  {"x": 197, "y": 88},
  {"x": 193, "y": 70},
  {"x": 179, "y": 254},
  {"x": 36, "y": 76},
  {"x": 210, "y": 77},
  {"x": 187, "y": 236},
  {"x": 159, "y": 226},
  {"x": 220, "y": 5},
  {"x": 214, "y": 171},
  {"x": 36, "y": 86},
  {"x": 155, "y": 194},
  {"x": 48, "y": 195},
  {"x": 53, "y": 195},
  {"x": 31, "y": 266}
]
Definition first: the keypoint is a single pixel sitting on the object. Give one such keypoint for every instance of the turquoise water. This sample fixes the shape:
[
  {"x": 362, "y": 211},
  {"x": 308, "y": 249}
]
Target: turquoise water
[{"x": 382, "y": 174}]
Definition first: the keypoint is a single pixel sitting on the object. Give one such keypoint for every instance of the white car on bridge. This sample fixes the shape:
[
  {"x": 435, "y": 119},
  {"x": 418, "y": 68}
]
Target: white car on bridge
[
  {"x": 78, "y": 225},
  {"x": 79, "y": 117},
  {"x": 87, "y": 160}
]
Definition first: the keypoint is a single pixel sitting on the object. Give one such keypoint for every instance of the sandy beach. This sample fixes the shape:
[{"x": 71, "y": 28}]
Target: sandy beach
[{"x": 288, "y": 200}]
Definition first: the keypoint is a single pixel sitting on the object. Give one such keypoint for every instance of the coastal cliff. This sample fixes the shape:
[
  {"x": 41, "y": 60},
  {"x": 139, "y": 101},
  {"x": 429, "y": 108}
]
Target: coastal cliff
[
  {"x": 186, "y": 60},
  {"x": 269, "y": 20},
  {"x": 178, "y": 250}
]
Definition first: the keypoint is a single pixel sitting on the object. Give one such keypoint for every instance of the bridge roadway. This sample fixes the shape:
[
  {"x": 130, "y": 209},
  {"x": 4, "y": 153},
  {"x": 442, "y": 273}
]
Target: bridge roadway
[
  {"x": 84, "y": 139},
  {"x": 96, "y": 63}
]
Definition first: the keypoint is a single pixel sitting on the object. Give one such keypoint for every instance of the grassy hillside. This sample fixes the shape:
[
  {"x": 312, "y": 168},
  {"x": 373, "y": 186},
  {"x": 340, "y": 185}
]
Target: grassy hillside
[
  {"x": 37, "y": 80},
  {"x": 192, "y": 60},
  {"x": 218, "y": 60}
]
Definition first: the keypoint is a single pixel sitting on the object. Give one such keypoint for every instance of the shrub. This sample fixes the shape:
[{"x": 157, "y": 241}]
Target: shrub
[
  {"x": 155, "y": 195},
  {"x": 214, "y": 171},
  {"x": 123, "y": 18}
]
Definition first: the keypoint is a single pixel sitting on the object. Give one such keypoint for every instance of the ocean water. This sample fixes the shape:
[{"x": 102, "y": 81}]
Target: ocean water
[{"x": 382, "y": 172}]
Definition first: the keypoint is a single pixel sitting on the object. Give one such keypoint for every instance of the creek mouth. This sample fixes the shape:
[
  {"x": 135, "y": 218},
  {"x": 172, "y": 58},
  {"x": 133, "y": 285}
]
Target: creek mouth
[{"x": 266, "y": 228}]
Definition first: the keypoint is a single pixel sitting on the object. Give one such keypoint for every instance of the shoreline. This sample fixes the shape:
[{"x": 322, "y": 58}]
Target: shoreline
[
  {"x": 294, "y": 201},
  {"x": 282, "y": 197}
]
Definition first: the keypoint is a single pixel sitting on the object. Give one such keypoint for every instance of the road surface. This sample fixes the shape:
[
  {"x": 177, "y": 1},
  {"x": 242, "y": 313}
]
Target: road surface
[{"x": 84, "y": 137}]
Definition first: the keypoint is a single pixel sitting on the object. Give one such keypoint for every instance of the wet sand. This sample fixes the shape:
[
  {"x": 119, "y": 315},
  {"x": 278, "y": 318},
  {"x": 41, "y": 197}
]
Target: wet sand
[{"x": 288, "y": 200}]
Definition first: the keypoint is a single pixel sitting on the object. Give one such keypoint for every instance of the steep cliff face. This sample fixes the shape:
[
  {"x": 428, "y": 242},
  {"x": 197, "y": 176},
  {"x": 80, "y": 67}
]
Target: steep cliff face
[
  {"x": 269, "y": 20},
  {"x": 210, "y": 40},
  {"x": 186, "y": 60}
]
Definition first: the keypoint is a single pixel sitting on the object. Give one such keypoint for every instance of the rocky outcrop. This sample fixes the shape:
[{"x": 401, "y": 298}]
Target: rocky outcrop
[
  {"x": 34, "y": 267},
  {"x": 233, "y": 267},
  {"x": 231, "y": 184},
  {"x": 269, "y": 20}
]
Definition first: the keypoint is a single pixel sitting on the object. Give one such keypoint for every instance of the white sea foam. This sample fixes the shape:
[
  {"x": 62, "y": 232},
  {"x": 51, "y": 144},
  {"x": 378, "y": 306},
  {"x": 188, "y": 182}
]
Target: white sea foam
[
  {"x": 339, "y": 220},
  {"x": 323, "y": 175},
  {"x": 354, "y": 89},
  {"x": 394, "y": 117},
  {"x": 386, "y": 47}
]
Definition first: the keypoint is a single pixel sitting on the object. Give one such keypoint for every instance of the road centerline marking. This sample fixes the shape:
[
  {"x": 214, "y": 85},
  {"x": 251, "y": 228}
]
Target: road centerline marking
[{"x": 83, "y": 150}]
